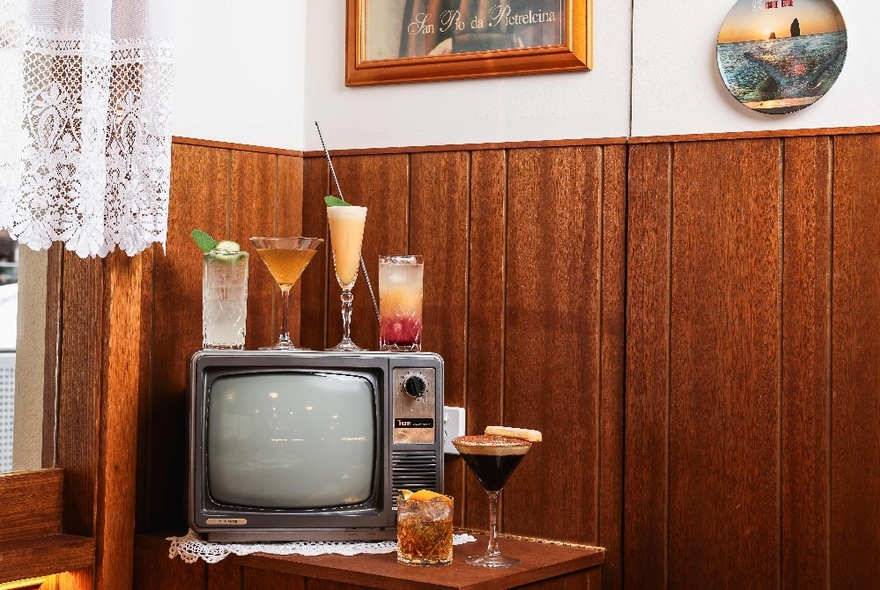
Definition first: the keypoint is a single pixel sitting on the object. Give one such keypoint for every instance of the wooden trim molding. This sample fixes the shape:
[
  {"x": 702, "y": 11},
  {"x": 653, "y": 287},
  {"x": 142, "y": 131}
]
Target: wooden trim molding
[
  {"x": 473, "y": 147},
  {"x": 543, "y": 143},
  {"x": 51, "y": 354},
  {"x": 31, "y": 504},
  {"x": 240, "y": 147},
  {"x": 777, "y": 133}
]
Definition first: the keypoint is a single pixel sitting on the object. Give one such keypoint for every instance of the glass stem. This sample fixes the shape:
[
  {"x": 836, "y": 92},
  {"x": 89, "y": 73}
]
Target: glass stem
[
  {"x": 285, "y": 331},
  {"x": 493, "y": 524},
  {"x": 347, "y": 297}
]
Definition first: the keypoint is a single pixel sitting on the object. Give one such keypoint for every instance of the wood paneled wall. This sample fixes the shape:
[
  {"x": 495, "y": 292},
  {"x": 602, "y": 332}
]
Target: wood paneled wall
[
  {"x": 524, "y": 300},
  {"x": 752, "y": 439},
  {"x": 524, "y": 282},
  {"x": 231, "y": 192},
  {"x": 688, "y": 322}
]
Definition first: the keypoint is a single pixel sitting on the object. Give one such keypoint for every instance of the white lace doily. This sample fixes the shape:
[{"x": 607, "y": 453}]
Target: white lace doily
[{"x": 190, "y": 547}]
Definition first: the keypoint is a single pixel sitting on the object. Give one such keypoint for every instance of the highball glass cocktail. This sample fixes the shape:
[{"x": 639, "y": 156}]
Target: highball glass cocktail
[
  {"x": 224, "y": 299},
  {"x": 400, "y": 302}
]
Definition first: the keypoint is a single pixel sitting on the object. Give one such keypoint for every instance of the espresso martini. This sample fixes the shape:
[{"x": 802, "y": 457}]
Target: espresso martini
[{"x": 493, "y": 456}]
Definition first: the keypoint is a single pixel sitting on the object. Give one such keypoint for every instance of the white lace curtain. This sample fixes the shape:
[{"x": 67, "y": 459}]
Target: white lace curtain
[{"x": 85, "y": 123}]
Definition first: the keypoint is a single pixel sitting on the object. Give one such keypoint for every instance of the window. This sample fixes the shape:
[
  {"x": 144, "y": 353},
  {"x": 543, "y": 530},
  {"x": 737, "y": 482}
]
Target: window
[{"x": 8, "y": 322}]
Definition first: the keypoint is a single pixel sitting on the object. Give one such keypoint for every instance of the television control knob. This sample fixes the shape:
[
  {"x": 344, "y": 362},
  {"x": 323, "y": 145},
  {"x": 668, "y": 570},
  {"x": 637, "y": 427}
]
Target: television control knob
[{"x": 415, "y": 386}]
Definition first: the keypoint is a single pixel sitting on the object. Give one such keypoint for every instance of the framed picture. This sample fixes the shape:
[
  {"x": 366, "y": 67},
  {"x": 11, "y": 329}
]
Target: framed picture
[{"x": 391, "y": 41}]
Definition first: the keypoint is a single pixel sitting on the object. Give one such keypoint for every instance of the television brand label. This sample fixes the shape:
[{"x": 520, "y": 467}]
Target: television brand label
[
  {"x": 413, "y": 423},
  {"x": 226, "y": 521}
]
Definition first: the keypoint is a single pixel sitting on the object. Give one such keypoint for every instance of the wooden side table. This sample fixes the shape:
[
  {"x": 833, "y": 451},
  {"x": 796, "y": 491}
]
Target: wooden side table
[{"x": 544, "y": 565}]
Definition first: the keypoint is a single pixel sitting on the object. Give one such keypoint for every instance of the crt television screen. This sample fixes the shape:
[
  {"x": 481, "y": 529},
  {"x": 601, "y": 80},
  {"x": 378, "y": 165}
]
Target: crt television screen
[{"x": 291, "y": 440}]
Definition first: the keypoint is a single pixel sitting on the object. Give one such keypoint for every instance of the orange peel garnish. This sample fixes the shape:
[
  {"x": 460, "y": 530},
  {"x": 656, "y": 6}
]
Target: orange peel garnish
[{"x": 427, "y": 496}]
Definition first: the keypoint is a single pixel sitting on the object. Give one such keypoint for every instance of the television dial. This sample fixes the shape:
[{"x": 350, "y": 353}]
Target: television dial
[{"x": 415, "y": 386}]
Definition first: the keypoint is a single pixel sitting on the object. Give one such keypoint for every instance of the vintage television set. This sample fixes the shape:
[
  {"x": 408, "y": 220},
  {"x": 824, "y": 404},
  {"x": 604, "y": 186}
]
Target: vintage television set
[{"x": 310, "y": 445}]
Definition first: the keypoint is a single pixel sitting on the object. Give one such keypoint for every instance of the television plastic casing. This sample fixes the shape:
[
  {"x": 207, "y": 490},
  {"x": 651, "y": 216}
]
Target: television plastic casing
[{"x": 408, "y": 418}]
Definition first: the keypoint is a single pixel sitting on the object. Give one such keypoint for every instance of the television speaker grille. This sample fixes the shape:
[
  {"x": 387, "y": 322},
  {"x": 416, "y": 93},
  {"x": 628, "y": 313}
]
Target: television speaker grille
[{"x": 413, "y": 470}]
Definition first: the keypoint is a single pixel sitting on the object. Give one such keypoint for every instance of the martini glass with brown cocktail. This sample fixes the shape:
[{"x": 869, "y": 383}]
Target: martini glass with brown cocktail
[
  {"x": 286, "y": 259},
  {"x": 493, "y": 457}
]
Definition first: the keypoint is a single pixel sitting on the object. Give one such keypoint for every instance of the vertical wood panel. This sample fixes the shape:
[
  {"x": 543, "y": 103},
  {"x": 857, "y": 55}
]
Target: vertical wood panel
[
  {"x": 153, "y": 571},
  {"x": 223, "y": 575},
  {"x": 723, "y": 458},
  {"x": 484, "y": 397},
  {"x": 145, "y": 398},
  {"x": 855, "y": 413},
  {"x": 612, "y": 342},
  {"x": 647, "y": 367},
  {"x": 592, "y": 579},
  {"x": 805, "y": 358},
  {"x": 552, "y": 360},
  {"x": 54, "y": 269},
  {"x": 252, "y": 208},
  {"x": 379, "y": 183},
  {"x": 199, "y": 191},
  {"x": 256, "y": 579},
  {"x": 289, "y": 222},
  {"x": 126, "y": 361},
  {"x": 439, "y": 231},
  {"x": 79, "y": 403},
  {"x": 313, "y": 321}
]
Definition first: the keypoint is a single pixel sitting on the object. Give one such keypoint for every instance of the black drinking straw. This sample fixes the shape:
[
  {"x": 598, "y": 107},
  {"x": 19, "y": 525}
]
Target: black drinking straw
[{"x": 339, "y": 190}]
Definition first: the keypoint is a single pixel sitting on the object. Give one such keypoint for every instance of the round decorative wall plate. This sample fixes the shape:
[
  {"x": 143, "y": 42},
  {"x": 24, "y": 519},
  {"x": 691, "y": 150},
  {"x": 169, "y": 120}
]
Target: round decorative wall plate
[{"x": 779, "y": 56}]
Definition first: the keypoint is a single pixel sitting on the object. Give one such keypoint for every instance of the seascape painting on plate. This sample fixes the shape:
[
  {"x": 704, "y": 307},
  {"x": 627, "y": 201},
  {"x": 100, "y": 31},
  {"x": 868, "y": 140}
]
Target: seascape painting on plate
[{"x": 779, "y": 56}]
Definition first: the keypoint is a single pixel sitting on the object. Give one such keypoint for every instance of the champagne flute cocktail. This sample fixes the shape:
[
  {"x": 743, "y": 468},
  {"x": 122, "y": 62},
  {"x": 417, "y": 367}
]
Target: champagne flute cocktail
[
  {"x": 493, "y": 457},
  {"x": 346, "y": 235},
  {"x": 286, "y": 259}
]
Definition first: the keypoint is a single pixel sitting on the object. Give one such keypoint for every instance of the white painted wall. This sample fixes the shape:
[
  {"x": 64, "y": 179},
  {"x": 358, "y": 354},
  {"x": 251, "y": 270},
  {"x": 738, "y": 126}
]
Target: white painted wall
[
  {"x": 263, "y": 72},
  {"x": 517, "y": 108},
  {"x": 239, "y": 71},
  {"x": 677, "y": 88}
]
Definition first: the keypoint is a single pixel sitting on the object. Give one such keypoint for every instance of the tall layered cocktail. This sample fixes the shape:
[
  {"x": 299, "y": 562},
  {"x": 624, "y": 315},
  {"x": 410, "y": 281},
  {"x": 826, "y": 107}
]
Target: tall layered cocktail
[
  {"x": 400, "y": 302},
  {"x": 493, "y": 457},
  {"x": 346, "y": 236}
]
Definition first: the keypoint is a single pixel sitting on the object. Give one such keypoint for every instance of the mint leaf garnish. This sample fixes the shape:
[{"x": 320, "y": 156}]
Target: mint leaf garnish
[
  {"x": 335, "y": 202},
  {"x": 205, "y": 242}
]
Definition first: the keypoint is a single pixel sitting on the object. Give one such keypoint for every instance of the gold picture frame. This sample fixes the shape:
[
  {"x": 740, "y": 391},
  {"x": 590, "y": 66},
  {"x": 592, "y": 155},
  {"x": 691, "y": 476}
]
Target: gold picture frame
[{"x": 394, "y": 41}]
